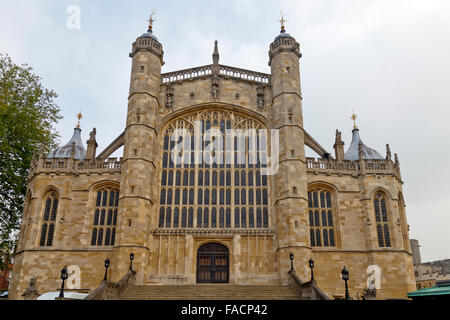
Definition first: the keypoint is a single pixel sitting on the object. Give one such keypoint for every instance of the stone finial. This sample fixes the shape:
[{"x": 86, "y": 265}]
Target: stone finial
[
  {"x": 339, "y": 146},
  {"x": 31, "y": 293},
  {"x": 338, "y": 136},
  {"x": 396, "y": 160},
  {"x": 388, "y": 152},
  {"x": 91, "y": 145},
  {"x": 216, "y": 55},
  {"x": 92, "y": 135}
]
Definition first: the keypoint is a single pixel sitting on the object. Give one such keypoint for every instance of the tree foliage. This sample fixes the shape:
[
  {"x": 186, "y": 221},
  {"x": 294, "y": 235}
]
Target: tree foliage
[{"x": 28, "y": 113}]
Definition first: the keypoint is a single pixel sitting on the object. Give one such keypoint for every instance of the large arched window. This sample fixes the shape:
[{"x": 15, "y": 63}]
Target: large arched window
[
  {"x": 49, "y": 220},
  {"x": 321, "y": 218},
  {"x": 222, "y": 181},
  {"x": 105, "y": 217},
  {"x": 382, "y": 220}
]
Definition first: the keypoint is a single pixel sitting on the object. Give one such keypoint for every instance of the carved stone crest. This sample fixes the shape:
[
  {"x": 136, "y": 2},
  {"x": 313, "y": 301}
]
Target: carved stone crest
[
  {"x": 215, "y": 89},
  {"x": 260, "y": 98},
  {"x": 169, "y": 97}
]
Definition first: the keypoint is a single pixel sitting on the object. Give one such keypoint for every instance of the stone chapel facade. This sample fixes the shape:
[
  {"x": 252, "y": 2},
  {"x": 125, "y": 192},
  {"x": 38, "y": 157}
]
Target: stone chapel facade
[{"x": 342, "y": 210}]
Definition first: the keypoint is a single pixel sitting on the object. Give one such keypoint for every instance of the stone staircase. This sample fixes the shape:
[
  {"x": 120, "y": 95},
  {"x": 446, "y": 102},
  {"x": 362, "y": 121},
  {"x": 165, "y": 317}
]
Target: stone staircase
[{"x": 209, "y": 292}]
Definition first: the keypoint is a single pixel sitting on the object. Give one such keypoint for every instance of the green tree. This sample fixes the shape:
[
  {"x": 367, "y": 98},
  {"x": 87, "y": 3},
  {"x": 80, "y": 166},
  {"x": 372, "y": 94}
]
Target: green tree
[{"x": 28, "y": 113}]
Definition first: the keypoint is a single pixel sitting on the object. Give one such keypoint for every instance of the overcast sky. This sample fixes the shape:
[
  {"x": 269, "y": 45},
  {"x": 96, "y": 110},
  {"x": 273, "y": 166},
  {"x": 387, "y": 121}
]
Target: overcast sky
[{"x": 388, "y": 60}]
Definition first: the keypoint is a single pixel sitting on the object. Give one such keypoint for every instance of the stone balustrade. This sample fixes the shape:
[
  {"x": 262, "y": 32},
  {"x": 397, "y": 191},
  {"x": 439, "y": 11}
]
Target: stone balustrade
[
  {"x": 224, "y": 71},
  {"x": 244, "y": 74},
  {"x": 352, "y": 167},
  {"x": 186, "y": 74},
  {"x": 75, "y": 166},
  {"x": 313, "y": 165}
]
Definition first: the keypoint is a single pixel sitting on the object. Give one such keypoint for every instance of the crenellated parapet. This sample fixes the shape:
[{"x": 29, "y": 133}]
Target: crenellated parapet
[
  {"x": 332, "y": 166},
  {"x": 147, "y": 44},
  {"x": 284, "y": 44}
]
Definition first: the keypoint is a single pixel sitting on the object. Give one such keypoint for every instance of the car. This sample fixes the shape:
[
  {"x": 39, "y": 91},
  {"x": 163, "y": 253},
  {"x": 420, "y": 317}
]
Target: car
[{"x": 4, "y": 294}]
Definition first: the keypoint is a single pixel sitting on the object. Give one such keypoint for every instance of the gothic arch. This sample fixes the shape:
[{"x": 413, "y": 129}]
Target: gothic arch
[
  {"x": 218, "y": 106},
  {"x": 227, "y": 194},
  {"x": 104, "y": 183},
  {"x": 384, "y": 227},
  {"x": 323, "y": 184},
  {"x": 323, "y": 212},
  {"x": 49, "y": 211},
  {"x": 103, "y": 215},
  {"x": 43, "y": 196},
  {"x": 49, "y": 189},
  {"x": 383, "y": 190},
  {"x": 213, "y": 263}
]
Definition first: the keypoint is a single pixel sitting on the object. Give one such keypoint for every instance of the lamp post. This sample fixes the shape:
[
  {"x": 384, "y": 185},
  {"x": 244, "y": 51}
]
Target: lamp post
[
  {"x": 311, "y": 265},
  {"x": 131, "y": 261},
  {"x": 64, "y": 276},
  {"x": 107, "y": 262},
  {"x": 291, "y": 256},
  {"x": 345, "y": 277}
]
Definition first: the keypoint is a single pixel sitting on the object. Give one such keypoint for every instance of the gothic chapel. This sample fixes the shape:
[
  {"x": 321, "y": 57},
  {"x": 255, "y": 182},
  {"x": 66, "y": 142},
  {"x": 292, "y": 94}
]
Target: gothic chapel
[{"x": 219, "y": 216}]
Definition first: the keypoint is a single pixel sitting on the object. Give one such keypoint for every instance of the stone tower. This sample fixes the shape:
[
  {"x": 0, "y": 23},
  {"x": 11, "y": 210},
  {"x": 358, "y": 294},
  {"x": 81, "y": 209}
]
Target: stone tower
[
  {"x": 137, "y": 192},
  {"x": 291, "y": 183}
]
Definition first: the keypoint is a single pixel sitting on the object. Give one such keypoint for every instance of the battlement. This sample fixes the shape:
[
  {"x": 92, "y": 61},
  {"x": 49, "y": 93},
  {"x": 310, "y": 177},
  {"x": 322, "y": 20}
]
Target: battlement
[
  {"x": 147, "y": 44},
  {"x": 283, "y": 42},
  {"x": 69, "y": 165},
  {"x": 332, "y": 166},
  {"x": 224, "y": 71}
]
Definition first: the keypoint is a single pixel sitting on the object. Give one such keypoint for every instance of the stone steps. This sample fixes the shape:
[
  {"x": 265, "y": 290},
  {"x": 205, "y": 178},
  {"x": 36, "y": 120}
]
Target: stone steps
[{"x": 209, "y": 292}]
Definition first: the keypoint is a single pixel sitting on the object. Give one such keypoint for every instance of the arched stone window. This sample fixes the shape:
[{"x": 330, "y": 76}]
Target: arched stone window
[
  {"x": 226, "y": 187},
  {"x": 105, "y": 217},
  {"x": 49, "y": 220},
  {"x": 321, "y": 218},
  {"x": 382, "y": 220}
]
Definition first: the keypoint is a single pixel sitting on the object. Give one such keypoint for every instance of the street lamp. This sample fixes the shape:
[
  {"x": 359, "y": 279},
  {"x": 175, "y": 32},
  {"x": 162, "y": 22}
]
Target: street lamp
[
  {"x": 311, "y": 265},
  {"x": 64, "y": 276},
  {"x": 291, "y": 256},
  {"x": 107, "y": 262},
  {"x": 131, "y": 261},
  {"x": 345, "y": 277}
]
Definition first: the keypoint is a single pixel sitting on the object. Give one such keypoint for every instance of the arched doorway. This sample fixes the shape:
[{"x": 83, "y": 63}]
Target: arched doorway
[{"x": 213, "y": 263}]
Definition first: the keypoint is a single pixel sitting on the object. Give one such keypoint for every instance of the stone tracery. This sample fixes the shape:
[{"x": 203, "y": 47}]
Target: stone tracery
[{"x": 221, "y": 182}]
